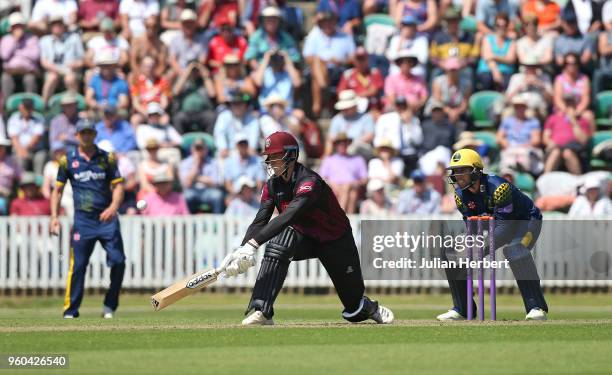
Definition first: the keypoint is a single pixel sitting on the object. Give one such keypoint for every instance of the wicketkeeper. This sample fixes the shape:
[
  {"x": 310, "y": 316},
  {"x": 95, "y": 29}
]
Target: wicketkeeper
[
  {"x": 310, "y": 224},
  {"x": 517, "y": 226}
]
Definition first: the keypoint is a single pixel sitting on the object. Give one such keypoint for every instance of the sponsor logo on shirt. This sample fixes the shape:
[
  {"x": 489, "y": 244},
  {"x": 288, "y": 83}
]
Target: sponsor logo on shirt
[
  {"x": 75, "y": 164},
  {"x": 89, "y": 175},
  {"x": 305, "y": 188}
]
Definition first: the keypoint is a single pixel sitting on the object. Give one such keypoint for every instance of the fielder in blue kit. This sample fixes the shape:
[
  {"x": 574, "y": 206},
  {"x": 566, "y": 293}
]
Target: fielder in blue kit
[
  {"x": 517, "y": 226},
  {"x": 98, "y": 191}
]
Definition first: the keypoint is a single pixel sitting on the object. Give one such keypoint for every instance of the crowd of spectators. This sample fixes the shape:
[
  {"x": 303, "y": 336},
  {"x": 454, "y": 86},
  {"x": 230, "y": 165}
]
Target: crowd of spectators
[{"x": 185, "y": 92}]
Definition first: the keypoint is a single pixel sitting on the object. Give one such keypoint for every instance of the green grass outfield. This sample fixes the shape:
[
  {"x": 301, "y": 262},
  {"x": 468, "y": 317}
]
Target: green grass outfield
[{"x": 201, "y": 335}]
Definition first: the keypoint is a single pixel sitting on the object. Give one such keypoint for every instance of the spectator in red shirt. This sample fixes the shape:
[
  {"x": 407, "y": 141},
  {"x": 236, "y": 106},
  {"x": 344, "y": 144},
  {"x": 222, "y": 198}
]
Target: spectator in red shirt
[
  {"x": 33, "y": 203},
  {"x": 566, "y": 135},
  {"x": 147, "y": 88},
  {"x": 367, "y": 82},
  {"x": 227, "y": 42},
  {"x": 92, "y": 12}
]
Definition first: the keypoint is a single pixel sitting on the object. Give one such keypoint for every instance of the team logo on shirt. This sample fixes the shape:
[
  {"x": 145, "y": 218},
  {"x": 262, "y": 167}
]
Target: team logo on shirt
[
  {"x": 75, "y": 164},
  {"x": 304, "y": 188},
  {"x": 471, "y": 205},
  {"x": 76, "y": 236}
]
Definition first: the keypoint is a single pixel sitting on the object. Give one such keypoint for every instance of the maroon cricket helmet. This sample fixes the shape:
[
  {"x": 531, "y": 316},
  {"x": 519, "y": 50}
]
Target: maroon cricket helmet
[{"x": 280, "y": 143}]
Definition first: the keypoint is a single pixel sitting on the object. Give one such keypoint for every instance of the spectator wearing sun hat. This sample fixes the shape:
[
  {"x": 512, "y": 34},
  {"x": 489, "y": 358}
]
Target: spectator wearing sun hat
[
  {"x": 106, "y": 87},
  {"x": 386, "y": 166},
  {"x": 44, "y": 10},
  {"x": 377, "y": 203},
  {"x": 593, "y": 200},
  {"x": 156, "y": 128},
  {"x": 365, "y": 80},
  {"x": 63, "y": 125},
  {"x": 405, "y": 83},
  {"x": 276, "y": 117},
  {"x": 358, "y": 126},
  {"x": 188, "y": 46},
  {"x": 270, "y": 37},
  {"x": 108, "y": 42},
  {"x": 244, "y": 204},
  {"x": 163, "y": 201},
  {"x": 346, "y": 174},
  {"x": 19, "y": 52}
]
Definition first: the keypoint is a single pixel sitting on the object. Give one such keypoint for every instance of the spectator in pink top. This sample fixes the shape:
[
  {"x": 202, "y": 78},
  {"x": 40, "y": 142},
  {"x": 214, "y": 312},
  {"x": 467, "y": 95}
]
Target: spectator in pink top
[
  {"x": 346, "y": 174},
  {"x": 19, "y": 53},
  {"x": 405, "y": 84},
  {"x": 571, "y": 82},
  {"x": 163, "y": 201},
  {"x": 566, "y": 135}
]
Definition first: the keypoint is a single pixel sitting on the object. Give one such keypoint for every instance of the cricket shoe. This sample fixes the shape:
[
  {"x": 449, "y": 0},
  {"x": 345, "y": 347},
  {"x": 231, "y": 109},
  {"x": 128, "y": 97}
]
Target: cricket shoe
[
  {"x": 536, "y": 314},
  {"x": 257, "y": 318},
  {"x": 68, "y": 316},
  {"x": 108, "y": 313},
  {"x": 450, "y": 316},
  {"x": 383, "y": 315}
]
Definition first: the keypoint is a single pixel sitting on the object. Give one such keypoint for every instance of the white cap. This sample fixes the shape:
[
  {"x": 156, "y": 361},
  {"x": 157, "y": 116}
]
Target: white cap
[
  {"x": 346, "y": 99},
  {"x": 243, "y": 181},
  {"x": 16, "y": 19},
  {"x": 188, "y": 15},
  {"x": 106, "y": 58},
  {"x": 271, "y": 11},
  {"x": 592, "y": 183},
  {"x": 375, "y": 184},
  {"x": 154, "y": 108},
  {"x": 240, "y": 137}
]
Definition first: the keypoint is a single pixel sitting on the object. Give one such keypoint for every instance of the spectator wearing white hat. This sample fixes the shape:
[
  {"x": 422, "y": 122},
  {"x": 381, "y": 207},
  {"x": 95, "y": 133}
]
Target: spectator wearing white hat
[
  {"x": 10, "y": 173},
  {"x": 19, "y": 52},
  {"x": 420, "y": 199},
  {"x": 106, "y": 87},
  {"x": 377, "y": 204},
  {"x": 45, "y": 10},
  {"x": 386, "y": 166},
  {"x": 277, "y": 118},
  {"x": 359, "y": 127},
  {"x": 592, "y": 201},
  {"x": 61, "y": 56},
  {"x": 133, "y": 13},
  {"x": 158, "y": 128},
  {"x": 245, "y": 203},
  {"x": 242, "y": 163},
  {"x": 187, "y": 47},
  {"x": 269, "y": 37}
]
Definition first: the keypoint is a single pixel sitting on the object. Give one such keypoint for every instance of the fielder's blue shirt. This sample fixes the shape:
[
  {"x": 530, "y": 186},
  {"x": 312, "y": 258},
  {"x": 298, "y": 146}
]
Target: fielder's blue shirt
[{"x": 91, "y": 180}]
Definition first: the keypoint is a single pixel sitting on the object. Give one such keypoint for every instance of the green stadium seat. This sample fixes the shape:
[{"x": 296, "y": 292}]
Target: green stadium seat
[
  {"x": 55, "y": 107},
  {"x": 524, "y": 181},
  {"x": 13, "y": 101},
  {"x": 599, "y": 137},
  {"x": 189, "y": 138},
  {"x": 378, "y": 19},
  {"x": 488, "y": 138},
  {"x": 603, "y": 109},
  {"x": 469, "y": 24},
  {"x": 481, "y": 105}
]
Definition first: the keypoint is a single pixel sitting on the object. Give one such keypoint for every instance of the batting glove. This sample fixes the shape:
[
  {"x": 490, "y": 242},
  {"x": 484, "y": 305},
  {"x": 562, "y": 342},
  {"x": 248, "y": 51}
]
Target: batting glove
[{"x": 240, "y": 260}]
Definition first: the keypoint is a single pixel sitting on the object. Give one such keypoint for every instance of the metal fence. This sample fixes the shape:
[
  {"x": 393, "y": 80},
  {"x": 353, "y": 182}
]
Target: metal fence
[{"x": 163, "y": 249}]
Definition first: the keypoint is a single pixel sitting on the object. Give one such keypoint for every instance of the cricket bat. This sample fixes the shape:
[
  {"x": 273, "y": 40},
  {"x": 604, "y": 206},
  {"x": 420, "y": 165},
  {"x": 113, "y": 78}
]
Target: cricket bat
[{"x": 185, "y": 287}]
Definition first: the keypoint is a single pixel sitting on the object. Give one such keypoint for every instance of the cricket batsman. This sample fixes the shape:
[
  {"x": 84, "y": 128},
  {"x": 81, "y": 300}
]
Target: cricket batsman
[
  {"x": 517, "y": 226},
  {"x": 98, "y": 191},
  {"x": 310, "y": 224}
]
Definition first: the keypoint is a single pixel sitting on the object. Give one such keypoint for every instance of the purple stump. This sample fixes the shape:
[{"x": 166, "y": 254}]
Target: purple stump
[
  {"x": 470, "y": 288},
  {"x": 492, "y": 286},
  {"x": 480, "y": 258}
]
